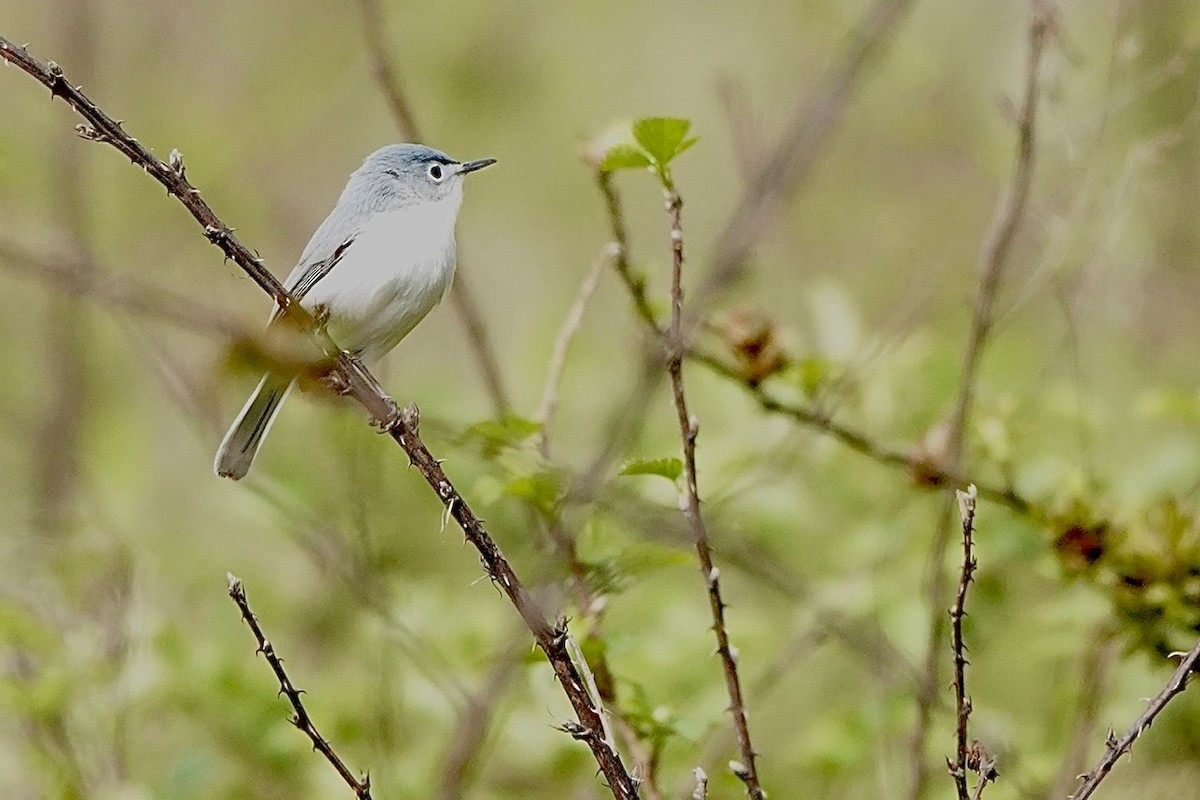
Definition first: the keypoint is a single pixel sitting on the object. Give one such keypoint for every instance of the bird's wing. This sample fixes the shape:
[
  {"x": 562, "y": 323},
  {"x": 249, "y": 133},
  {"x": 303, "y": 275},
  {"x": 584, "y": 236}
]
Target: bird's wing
[{"x": 306, "y": 274}]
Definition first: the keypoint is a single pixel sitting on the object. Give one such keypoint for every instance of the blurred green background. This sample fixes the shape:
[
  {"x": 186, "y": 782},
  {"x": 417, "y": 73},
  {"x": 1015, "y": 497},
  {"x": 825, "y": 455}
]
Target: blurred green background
[{"x": 125, "y": 671}]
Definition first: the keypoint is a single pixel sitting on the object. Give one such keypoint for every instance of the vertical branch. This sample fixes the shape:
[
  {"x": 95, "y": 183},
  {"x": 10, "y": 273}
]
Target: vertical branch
[
  {"x": 995, "y": 262},
  {"x": 972, "y": 756},
  {"x": 746, "y": 769},
  {"x": 787, "y": 164},
  {"x": 1114, "y": 748},
  {"x": 301, "y": 719},
  {"x": 461, "y": 296},
  {"x": 1096, "y": 664},
  {"x": 962, "y": 702},
  {"x": 65, "y": 336}
]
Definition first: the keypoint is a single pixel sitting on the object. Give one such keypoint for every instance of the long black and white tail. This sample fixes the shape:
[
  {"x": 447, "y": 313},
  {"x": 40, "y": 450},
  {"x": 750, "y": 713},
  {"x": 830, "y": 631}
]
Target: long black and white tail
[{"x": 241, "y": 443}]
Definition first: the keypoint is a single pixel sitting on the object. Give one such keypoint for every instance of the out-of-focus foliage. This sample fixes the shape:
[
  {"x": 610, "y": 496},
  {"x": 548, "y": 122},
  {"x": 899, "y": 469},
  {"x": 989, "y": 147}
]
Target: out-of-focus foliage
[{"x": 126, "y": 672}]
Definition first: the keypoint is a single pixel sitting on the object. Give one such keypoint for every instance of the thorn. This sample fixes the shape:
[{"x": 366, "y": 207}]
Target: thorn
[{"x": 175, "y": 162}]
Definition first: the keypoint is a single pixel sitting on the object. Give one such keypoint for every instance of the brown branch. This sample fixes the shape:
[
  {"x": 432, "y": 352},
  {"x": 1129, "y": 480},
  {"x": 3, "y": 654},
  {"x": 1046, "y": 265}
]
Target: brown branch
[
  {"x": 926, "y": 471},
  {"x": 781, "y": 173},
  {"x": 1096, "y": 664},
  {"x": 363, "y": 387},
  {"x": 962, "y": 702},
  {"x": 1114, "y": 748},
  {"x": 562, "y": 347},
  {"x": 746, "y": 769},
  {"x": 66, "y": 333},
  {"x": 636, "y": 284},
  {"x": 474, "y": 722},
  {"x": 80, "y": 276},
  {"x": 462, "y": 298},
  {"x": 973, "y": 756},
  {"x": 995, "y": 262},
  {"x": 301, "y": 719}
]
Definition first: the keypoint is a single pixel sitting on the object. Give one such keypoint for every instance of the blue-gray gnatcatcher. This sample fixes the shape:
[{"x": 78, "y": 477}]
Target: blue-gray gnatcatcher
[{"x": 379, "y": 262}]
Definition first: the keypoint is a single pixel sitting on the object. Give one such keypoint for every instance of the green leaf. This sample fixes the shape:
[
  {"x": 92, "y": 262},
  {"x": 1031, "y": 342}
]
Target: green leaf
[
  {"x": 663, "y": 138},
  {"x": 508, "y": 431},
  {"x": 669, "y": 468},
  {"x": 543, "y": 490},
  {"x": 624, "y": 156}
]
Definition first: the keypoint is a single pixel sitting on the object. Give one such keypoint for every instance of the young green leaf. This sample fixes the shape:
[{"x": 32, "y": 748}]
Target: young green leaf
[
  {"x": 624, "y": 156},
  {"x": 669, "y": 468},
  {"x": 663, "y": 138}
]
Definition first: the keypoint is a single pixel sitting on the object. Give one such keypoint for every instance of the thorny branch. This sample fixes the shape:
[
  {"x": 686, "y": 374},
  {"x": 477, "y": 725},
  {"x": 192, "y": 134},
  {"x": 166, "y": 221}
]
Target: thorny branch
[
  {"x": 780, "y": 174},
  {"x": 1114, "y": 748},
  {"x": 973, "y": 756},
  {"x": 301, "y": 719},
  {"x": 996, "y": 258},
  {"x": 746, "y": 769},
  {"x": 363, "y": 387}
]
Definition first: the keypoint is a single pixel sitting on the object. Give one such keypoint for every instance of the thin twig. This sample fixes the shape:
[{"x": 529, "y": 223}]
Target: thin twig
[
  {"x": 1096, "y": 664},
  {"x": 301, "y": 719},
  {"x": 927, "y": 472},
  {"x": 80, "y": 276},
  {"x": 462, "y": 298},
  {"x": 362, "y": 386},
  {"x": 474, "y": 722},
  {"x": 636, "y": 284},
  {"x": 746, "y": 769},
  {"x": 1114, "y": 748},
  {"x": 966, "y": 756},
  {"x": 701, "y": 790},
  {"x": 386, "y": 73},
  {"x": 781, "y": 173},
  {"x": 995, "y": 262},
  {"x": 562, "y": 347},
  {"x": 962, "y": 702}
]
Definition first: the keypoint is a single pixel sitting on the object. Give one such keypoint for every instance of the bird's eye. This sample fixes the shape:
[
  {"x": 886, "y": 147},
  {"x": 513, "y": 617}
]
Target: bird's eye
[{"x": 436, "y": 173}]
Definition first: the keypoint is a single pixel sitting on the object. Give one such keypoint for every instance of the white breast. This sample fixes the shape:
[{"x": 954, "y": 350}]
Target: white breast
[{"x": 397, "y": 269}]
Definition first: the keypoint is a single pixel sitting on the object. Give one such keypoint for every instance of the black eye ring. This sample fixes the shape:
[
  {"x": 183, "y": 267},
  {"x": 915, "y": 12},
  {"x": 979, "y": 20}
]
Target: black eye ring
[{"x": 435, "y": 172}]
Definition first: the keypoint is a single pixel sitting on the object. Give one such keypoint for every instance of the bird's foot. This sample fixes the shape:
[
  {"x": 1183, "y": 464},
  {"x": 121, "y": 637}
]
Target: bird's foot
[
  {"x": 334, "y": 382},
  {"x": 320, "y": 314},
  {"x": 408, "y": 418}
]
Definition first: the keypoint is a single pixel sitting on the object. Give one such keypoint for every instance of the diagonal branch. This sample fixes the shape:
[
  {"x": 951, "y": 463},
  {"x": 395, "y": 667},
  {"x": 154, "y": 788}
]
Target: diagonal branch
[
  {"x": 1115, "y": 748},
  {"x": 785, "y": 166},
  {"x": 301, "y": 719},
  {"x": 363, "y": 387}
]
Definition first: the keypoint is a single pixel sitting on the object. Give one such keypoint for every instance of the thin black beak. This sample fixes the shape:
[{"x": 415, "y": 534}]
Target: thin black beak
[{"x": 471, "y": 166}]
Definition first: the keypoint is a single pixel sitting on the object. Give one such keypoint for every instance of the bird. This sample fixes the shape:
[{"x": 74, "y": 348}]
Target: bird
[{"x": 381, "y": 260}]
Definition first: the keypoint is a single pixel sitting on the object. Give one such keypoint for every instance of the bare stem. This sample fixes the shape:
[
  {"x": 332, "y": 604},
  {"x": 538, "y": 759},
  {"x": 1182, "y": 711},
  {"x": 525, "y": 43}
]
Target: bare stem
[
  {"x": 364, "y": 388},
  {"x": 746, "y": 769},
  {"x": 1114, "y": 748},
  {"x": 996, "y": 258},
  {"x": 972, "y": 757},
  {"x": 301, "y": 719},
  {"x": 562, "y": 347}
]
